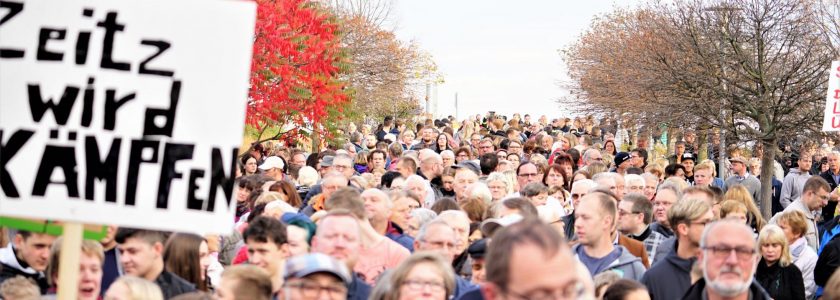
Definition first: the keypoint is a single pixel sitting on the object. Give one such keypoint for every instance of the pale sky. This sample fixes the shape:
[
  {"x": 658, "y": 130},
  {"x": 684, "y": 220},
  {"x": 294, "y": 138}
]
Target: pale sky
[{"x": 498, "y": 55}]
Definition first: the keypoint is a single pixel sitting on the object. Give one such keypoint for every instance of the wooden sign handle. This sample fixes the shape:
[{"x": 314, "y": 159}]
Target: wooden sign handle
[{"x": 71, "y": 252}]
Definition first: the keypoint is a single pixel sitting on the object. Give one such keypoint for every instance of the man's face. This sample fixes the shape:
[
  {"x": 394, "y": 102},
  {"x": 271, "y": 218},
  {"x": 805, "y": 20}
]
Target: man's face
[
  {"x": 695, "y": 229},
  {"x": 680, "y": 149},
  {"x": 738, "y": 168},
  {"x": 401, "y": 211},
  {"x": 703, "y": 177},
  {"x": 815, "y": 201},
  {"x": 689, "y": 166},
  {"x": 463, "y": 179},
  {"x": 527, "y": 174},
  {"x": 729, "y": 272},
  {"x": 593, "y": 157},
  {"x": 138, "y": 257},
  {"x": 345, "y": 166},
  {"x": 636, "y": 160},
  {"x": 475, "y": 139},
  {"x": 428, "y": 135},
  {"x": 418, "y": 187},
  {"x": 479, "y": 271},
  {"x": 461, "y": 226},
  {"x": 515, "y": 147},
  {"x": 834, "y": 162},
  {"x": 578, "y": 191},
  {"x": 378, "y": 161},
  {"x": 315, "y": 286},
  {"x": 628, "y": 221},
  {"x": 35, "y": 250},
  {"x": 663, "y": 202},
  {"x": 299, "y": 160},
  {"x": 447, "y": 160},
  {"x": 440, "y": 239},
  {"x": 268, "y": 256},
  {"x": 590, "y": 222},
  {"x": 650, "y": 187},
  {"x": 297, "y": 240},
  {"x": 533, "y": 272},
  {"x": 376, "y": 207},
  {"x": 332, "y": 184},
  {"x": 485, "y": 147},
  {"x": 635, "y": 186},
  {"x": 338, "y": 237},
  {"x": 805, "y": 163}
]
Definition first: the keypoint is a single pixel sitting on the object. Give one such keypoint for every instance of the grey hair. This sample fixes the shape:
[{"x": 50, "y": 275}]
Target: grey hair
[
  {"x": 496, "y": 176},
  {"x": 711, "y": 226},
  {"x": 423, "y": 216},
  {"x": 633, "y": 177},
  {"x": 421, "y": 234},
  {"x": 672, "y": 187}
]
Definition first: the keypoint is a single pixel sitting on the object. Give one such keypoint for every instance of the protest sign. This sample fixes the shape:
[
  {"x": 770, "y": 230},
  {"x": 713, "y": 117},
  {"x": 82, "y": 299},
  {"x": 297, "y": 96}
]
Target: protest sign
[
  {"x": 831, "y": 118},
  {"x": 123, "y": 112}
]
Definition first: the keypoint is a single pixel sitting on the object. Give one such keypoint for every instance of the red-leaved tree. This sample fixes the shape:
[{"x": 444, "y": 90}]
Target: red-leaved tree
[{"x": 295, "y": 67}]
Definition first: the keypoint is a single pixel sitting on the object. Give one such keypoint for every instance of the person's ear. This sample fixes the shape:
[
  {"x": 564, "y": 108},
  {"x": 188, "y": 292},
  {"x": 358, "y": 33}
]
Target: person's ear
[
  {"x": 682, "y": 228},
  {"x": 157, "y": 247},
  {"x": 18, "y": 241}
]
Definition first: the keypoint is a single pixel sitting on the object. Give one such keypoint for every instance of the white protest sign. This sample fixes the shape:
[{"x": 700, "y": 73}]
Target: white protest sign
[
  {"x": 831, "y": 118},
  {"x": 123, "y": 112}
]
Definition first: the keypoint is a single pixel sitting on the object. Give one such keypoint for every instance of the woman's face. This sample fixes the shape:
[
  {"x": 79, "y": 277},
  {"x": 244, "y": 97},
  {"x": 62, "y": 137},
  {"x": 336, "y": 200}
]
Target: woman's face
[
  {"x": 441, "y": 140},
  {"x": 771, "y": 252},
  {"x": 567, "y": 168},
  {"x": 498, "y": 189},
  {"x": 242, "y": 195},
  {"x": 789, "y": 235},
  {"x": 408, "y": 137},
  {"x": 554, "y": 178},
  {"x": 251, "y": 166},
  {"x": 204, "y": 258},
  {"x": 424, "y": 281},
  {"x": 740, "y": 216},
  {"x": 609, "y": 147}
]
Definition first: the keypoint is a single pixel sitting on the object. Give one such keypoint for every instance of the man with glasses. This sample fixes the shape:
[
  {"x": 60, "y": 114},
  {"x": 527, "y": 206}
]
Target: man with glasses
[
  {"x": 515, "y": 147},
  {"x": 523, "y": 263},
  {"x": 339, "y": 236},
  {"x": 592, "y": 155},
  {"x": 527, "y": 173},
  {"x": 634, "y": 183},
  {"x": 670, "y": 278},
  {"x": 635, "y": 212},
  {"x": 486, "y": 146},
  {"x": 438, "y": 237},
  {"x": 815, "y": 195},
  {"x": 315, "y": 276},
  {"x": 579, "y": 189},
  {"x": 666, "y": 196},
  {"x": 728, "y": 261}
]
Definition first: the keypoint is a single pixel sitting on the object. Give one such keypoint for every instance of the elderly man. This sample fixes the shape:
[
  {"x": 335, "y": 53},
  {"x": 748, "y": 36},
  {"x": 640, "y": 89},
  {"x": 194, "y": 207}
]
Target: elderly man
[
  {"x": 378, "y": 209},
  {"x": 437, "y": 236},
  {"x": 527, "y": 173},
  {"x": 332, "y": 182},
  {"x": 464, "y": 177},
  {"x": 728, "y": 259},
  {"x": 634, "y": 183},
  {"x": 591, "y": 155},
  {"x": 460, "y": 222},
  {"x": 579, "y": 189},
  {"x": 448, "y": 158},
  {"x": 339, "y": 236}
]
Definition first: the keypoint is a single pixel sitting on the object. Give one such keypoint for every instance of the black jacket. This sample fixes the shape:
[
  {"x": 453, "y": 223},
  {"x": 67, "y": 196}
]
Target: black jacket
[
  {"x": 781, "y": 282},
  {"x": 358, "y": 289},
  {"x": 698, "y": 289},
  {"x": 828, "y": 210},
  {"x": 670, "y": 278},
  {"x": 11, "y": 266},
  {"x": 171, "y": 285},
  {"x": 569, "y": 222}
]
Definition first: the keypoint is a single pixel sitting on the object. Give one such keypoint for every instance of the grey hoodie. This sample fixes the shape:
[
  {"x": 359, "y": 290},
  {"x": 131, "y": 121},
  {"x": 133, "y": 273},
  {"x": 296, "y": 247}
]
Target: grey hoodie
[
  {"x": 627, "y": 265},
  {"x": 792, "y": 186}
]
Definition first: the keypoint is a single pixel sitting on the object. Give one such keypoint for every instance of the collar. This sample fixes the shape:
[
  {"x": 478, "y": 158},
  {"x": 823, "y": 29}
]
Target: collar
[{"x": 642, "y": 236}]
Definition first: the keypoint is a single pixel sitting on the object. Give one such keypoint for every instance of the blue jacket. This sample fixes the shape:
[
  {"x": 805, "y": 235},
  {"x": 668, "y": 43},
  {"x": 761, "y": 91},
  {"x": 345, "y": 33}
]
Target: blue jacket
[{"x": 358, "y": 289}]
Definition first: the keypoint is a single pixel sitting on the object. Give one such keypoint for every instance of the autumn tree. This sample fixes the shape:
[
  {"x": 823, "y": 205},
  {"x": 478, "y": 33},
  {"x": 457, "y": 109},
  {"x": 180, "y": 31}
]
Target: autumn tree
[
  {"x": 762, "y": 63},
  {"x": 296, "y": 68}
]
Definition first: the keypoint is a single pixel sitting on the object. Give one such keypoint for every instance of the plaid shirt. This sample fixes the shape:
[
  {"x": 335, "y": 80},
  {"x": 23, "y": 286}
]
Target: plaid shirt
[{"x": 651, "y": 239}]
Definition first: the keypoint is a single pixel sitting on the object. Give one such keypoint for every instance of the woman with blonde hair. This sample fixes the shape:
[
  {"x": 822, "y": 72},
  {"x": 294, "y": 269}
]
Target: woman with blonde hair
[
  {"x": 741, "y": 194},
  {"x": 129, "y": 287},
  {"x": 423, "y": 275},
  {"x": 794, "y": 223},
  {"x": 776, "y": 272}
]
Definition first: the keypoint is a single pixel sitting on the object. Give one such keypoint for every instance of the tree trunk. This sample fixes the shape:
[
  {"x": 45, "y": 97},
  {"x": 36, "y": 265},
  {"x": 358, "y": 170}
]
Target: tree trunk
[
  {"x": 702, "y": 143},
  {"x": 767, "y": 169}
]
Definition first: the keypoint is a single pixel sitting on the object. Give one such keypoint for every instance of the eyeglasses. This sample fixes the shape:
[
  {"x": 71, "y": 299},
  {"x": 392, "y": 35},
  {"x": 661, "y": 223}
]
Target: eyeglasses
[
  {"x": 624, "y": 213},
  {"x": 528, "y": 175},
  {"x": 311, "y": 290},
  {"x": 722, "y": 251},
  {"x": 418, "y": 285}
]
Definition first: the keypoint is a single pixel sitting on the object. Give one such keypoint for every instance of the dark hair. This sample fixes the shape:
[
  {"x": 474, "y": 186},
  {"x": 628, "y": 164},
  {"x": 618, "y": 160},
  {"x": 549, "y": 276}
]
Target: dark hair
[
  {"x": 575, "y": 155},
  {"x": 475, "y": 209},
  {"x": 559, "y": 170},
  {"x": 615, "y": 149},
  {"x": 530, "y": 231},
  {"x": 265, "y": 230},
  {"x": 815, "y": 184},
  {"x": 149, "y": 236},
  {"x": 634, "y": 170},
  {"x": 388, "y": 178},
  {"x": 671, "y": 169},
  {"x": 621, "y": 288},
  {"x": 181, "y": 257},
  {"x": 641, "y": 205},
  {"x": 488, "y": 162},
  {"x": 444, "y": 204}
]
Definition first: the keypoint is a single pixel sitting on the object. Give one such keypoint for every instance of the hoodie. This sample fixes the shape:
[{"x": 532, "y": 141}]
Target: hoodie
[
  {"x": 627, "y": 266},
  {"x": 670, "y": 278},
  {"x": 792, "y": 186},
  {"x": 12, "y": 267}
]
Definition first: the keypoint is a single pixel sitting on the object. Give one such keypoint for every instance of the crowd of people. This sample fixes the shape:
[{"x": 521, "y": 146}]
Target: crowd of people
[{"x": 484, "y": 208}]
